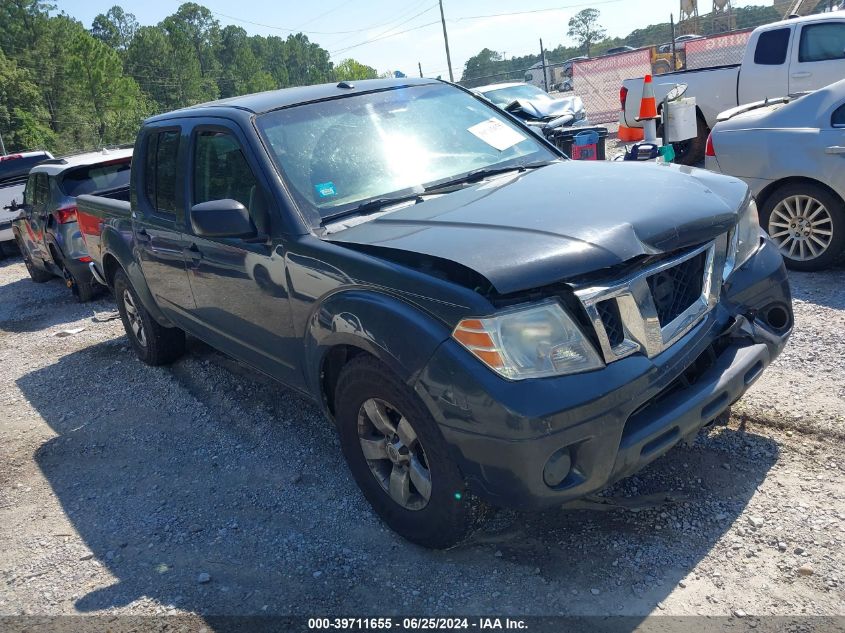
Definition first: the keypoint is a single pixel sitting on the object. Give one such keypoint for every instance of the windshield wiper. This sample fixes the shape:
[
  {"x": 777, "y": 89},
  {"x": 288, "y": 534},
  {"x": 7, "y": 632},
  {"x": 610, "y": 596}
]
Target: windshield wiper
[
  {"x": 477, "y": 175},
  {"x": 373, "y": 205}
]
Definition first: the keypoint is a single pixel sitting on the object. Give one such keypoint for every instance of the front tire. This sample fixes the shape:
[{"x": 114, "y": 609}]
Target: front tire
[
  {"x": 153, "y": 343},
  {"x": 807, "y": 223},
  {"x": 399, "y": 458}
]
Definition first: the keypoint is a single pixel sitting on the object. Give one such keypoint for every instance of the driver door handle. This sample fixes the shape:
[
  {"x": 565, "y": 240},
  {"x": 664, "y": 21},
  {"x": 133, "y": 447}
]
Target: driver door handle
[
  {"x": 802, "y": 75},
  {"x": 142, "y": 236},
  {"x": 194, "y": 253},
  {"x": 835, "y": 149}
]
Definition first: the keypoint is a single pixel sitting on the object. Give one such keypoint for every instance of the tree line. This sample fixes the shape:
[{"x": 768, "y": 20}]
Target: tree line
[
  {"x": 66, "y": 87},
  {"x": 489, "y": 66}
]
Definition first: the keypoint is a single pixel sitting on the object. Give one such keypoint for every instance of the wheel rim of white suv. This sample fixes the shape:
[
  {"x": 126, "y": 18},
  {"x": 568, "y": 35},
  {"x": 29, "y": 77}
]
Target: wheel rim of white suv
[{"x": 802, "y": 227}]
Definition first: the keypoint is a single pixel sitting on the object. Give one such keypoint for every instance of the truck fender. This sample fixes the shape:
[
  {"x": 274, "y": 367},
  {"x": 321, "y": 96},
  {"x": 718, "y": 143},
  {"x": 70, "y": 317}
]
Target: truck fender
[
  {"x": 114, "y": 245},
  {"x": 399, "y": 334}
]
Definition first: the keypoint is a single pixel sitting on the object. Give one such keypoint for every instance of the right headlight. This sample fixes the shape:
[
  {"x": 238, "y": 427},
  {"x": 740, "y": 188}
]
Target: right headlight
[
  {"x": 533, "y": 341},
  {"x": 744, "y": 238}
]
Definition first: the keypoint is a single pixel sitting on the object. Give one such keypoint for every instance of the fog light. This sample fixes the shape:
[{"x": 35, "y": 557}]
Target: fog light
[{"x": 557, "y": 468}]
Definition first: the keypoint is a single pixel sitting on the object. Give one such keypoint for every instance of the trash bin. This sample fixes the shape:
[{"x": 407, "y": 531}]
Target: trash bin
[{"x": 581, "y": 143}]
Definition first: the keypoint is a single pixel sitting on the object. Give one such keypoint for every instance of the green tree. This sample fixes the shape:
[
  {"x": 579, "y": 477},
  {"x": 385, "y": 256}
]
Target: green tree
[
  {"x": 242, "y": 72},
  {"x": 349, "y": 69},
  {"x": 115, "y": 28},
  {"x": 585, "y": 29},
  {"x": 24, "y": 121}
]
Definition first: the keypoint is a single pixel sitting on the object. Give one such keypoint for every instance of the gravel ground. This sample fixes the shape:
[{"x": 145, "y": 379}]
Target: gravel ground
[{"x": 202, "y": 488}]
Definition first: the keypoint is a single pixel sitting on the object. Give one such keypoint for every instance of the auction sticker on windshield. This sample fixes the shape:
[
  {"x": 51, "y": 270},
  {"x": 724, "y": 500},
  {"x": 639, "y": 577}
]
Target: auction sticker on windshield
[{"x": 496, "y": 134}]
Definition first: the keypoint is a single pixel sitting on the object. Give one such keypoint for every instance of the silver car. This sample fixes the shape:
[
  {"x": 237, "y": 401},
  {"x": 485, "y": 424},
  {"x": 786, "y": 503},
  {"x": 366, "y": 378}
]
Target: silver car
[{"x": 791, "y": 152}]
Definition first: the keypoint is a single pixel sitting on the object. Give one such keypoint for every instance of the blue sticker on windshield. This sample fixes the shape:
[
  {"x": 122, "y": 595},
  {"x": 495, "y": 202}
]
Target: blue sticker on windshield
[{"x": 325, "y": 189}]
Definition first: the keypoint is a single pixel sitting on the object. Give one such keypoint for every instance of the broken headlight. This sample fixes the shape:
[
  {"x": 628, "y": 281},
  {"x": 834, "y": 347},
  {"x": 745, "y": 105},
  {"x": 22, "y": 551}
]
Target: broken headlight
[
  {"x": 744, "y": 238},
  {"x": 536, "y": 341}
]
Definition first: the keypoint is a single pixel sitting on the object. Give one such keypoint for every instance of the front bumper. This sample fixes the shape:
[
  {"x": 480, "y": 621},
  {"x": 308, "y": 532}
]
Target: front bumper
[{"x": 612, "y": 421}]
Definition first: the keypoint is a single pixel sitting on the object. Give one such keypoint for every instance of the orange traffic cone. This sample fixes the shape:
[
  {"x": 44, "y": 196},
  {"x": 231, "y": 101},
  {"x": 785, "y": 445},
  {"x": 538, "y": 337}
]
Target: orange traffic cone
[
  {"x": 648, "y": 105},
  {"x": 648, "y": 111}
]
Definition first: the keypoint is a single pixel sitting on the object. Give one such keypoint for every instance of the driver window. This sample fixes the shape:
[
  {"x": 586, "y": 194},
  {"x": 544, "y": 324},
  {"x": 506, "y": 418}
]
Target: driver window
[{"x": 221, "y": 171}]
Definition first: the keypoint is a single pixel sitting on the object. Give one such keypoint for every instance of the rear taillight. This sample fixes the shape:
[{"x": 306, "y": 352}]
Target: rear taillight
[
  {"x": 623, "y": 96},
  {"x": 66, "y": 214},
  {"x": 709, "y": 151},
  {"x": 84, "y": 259}
]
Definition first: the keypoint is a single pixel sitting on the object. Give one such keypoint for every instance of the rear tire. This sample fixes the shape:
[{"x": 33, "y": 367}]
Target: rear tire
[
  {"x": 81, "y": 290},
  {"x": 153, "y": 343},
  {"x": 36, "y": 274},
  {"x": 430, "y": 504},
  {"x": 691, "y": 152},
  {"x": 787, "y": 213}
]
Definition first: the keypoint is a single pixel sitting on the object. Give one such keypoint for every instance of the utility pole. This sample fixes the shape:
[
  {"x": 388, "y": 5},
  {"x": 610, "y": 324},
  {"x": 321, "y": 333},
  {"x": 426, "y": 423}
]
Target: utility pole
[
  {"x": 543, "y": 61},
  {"x": 446, "y": 41},
  {"x": 419, "y": 64}
]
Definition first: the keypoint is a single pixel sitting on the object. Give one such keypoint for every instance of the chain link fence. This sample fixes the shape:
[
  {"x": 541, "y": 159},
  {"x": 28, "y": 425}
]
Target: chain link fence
[{"x": 718, "y": 50}]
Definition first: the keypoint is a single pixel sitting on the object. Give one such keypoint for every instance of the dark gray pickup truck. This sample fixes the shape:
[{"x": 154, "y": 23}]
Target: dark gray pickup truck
[{"x": 485, "y": 321}]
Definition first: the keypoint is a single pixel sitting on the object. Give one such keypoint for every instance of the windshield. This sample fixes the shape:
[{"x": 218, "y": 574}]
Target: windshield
[
  {"x": 503, "y": 96},
  {"x": 341, "y": 153}
]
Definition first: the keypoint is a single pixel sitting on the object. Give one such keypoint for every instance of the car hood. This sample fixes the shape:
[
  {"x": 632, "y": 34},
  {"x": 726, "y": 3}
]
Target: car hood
[
  {"x": 570, "y": 218},
  {"x": 535, "y": 109}
]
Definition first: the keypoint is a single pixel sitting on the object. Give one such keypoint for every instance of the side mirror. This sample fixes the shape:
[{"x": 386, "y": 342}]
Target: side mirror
[{"x": 222, "y": 218}]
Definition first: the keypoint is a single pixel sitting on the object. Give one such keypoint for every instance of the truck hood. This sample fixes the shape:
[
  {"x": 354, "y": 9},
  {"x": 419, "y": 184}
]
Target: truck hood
[{"x": 529, "y": 230}]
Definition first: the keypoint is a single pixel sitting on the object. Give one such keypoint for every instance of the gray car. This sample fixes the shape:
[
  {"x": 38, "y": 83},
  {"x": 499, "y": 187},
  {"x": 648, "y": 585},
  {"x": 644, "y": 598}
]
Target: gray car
[
  {"x": 47, "y": 229},
  {"x": 791, "y": 152}
]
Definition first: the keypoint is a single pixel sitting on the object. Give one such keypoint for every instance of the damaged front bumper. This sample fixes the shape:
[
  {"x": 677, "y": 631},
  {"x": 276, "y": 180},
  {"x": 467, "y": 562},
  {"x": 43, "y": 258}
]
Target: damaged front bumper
[{"x": 538, "y": 443}]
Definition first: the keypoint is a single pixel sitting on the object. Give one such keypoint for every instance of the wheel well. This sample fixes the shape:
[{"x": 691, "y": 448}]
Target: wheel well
[
  {"x": 110, "y": 267},
  {"x": 764, "y": 195},
  {"x": 333, "y": 363}
]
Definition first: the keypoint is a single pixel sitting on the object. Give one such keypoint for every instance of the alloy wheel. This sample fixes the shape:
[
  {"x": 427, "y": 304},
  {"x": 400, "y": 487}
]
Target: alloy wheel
[
  {"x": 134, "y": 317},
  {"x": 802, "y": 227},
  {"x": 394, "y": 454}
]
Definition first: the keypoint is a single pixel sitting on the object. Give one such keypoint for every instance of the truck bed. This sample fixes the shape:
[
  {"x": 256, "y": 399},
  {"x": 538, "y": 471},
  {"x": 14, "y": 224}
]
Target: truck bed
[
  {"x": 95, "y": 212},
  {"x": 714, "y": 89}
]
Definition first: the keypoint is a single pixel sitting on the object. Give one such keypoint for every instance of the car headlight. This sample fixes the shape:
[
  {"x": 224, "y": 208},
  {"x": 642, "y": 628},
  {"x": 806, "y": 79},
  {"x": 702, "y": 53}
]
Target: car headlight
[
  {"x": 529, "y": 342},
  {"x": 744, "y": 238}
]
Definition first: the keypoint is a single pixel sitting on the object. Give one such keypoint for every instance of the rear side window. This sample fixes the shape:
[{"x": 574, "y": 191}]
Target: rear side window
[
  {"x": 838, "y": 118},
  {"x": 160, "y": 170},
  {"x": 820, "y": 42},
  {"x": 42, "y": 189},
  {"x": 95, "y": 178},
  {"x": 771, "y": 47}
]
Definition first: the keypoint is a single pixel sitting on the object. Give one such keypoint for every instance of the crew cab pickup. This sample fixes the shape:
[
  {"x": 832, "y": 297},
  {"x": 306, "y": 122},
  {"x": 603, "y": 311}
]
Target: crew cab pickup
[
  {"x": 782, "y": 58},
  {"x": 484, "y": 321}
]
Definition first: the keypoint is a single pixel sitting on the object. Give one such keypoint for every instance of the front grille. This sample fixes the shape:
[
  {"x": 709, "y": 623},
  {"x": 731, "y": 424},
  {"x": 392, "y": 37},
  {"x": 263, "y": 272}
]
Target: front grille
[
  {"x": 612, "y": 321},
  {"x": 675, "y": 289}
]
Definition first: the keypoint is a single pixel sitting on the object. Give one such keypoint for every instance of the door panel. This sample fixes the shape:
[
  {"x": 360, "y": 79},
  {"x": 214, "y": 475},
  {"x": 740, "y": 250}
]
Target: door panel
[
  {"x": 239, "y": 286},
  {"x": 765, "y": 74},
  {"x": 158, "y": 216},
  {"x": 819, "y": 58},
  {"x": 37, "y": 215}
]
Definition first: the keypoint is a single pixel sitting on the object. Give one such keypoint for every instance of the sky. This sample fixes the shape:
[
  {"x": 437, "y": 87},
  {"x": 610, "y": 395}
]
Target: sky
[{"x": 399, "y": 34}]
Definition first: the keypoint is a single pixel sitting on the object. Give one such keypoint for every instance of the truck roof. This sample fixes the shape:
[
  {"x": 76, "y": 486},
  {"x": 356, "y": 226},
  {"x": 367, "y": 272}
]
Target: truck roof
[
  {"x": 58, "y": 165},
  {"x": 260, "y": 102},
  {"x": 816, "y": 17}
]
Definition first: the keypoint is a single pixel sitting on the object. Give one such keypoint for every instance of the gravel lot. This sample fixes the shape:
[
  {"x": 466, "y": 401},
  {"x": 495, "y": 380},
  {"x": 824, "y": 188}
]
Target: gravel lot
[{"x": 202, "y": 488}]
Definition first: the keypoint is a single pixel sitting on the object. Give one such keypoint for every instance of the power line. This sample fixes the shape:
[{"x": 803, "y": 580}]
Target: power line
[{"x": 384, "y": 34}]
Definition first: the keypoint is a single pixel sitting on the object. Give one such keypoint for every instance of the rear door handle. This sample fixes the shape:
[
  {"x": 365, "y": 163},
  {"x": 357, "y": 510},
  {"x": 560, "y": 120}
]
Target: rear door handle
[
  {"x": 802, "y": 75},
  {"x": 142, "y": 236},
  {"x": 835, "y": 149}
]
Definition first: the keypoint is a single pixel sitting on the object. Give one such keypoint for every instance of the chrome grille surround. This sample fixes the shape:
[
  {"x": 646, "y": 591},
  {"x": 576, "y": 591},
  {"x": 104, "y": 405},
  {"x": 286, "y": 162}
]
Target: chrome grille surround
[{"x": 637, "y": 309}]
